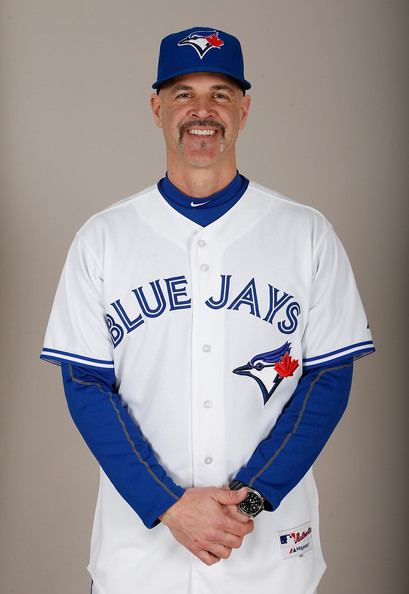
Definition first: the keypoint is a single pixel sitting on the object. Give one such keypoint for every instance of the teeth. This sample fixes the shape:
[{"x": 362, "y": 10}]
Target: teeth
[{"x": 202, "y": 132}]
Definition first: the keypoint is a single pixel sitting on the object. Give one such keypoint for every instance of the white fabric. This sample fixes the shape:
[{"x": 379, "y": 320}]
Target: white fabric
[{"x": 169, "y": 368}]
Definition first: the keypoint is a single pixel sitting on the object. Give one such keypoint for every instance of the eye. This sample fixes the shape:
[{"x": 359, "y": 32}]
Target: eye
[
  {"x": 259, "y": 366},
  {"x": 221, "y": 97},
  {"x": 184, "y": 95}
]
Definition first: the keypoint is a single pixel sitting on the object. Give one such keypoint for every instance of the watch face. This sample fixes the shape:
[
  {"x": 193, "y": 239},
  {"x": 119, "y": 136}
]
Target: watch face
[{"x": 252, "y": 504}]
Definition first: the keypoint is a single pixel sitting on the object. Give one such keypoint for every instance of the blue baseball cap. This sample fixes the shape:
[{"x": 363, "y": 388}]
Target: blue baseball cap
[{"x": 200, "y": 49}]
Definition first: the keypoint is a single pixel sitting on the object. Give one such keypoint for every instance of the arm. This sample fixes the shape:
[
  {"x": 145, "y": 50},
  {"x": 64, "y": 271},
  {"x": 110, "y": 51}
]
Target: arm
[
  {"x": 117, "y": 442},
  {"x": 305, "y": 425},
  {"x": 204, "y": 520}
]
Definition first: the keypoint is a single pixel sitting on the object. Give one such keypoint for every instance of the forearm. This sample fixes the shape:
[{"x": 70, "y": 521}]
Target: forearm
[
  {"x": 117, "y": 442},
  {"x": 305, "y": 425}
]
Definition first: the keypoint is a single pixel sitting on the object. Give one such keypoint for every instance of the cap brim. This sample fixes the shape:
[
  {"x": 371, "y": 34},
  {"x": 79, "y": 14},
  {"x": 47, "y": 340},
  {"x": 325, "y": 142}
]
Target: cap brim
[{"x": 243, "y": 84}]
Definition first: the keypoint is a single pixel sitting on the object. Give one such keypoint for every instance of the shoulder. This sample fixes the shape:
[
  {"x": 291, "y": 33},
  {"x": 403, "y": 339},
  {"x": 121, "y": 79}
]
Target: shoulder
[
  {"x": 288, "y": 211},
  {"x": 120, "y": 215},
  {"x": 122, "y": 209}
]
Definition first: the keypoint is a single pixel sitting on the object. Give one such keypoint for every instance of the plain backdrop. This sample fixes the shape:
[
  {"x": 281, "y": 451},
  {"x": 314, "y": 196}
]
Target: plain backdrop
[{"x": 328, "y": 127}]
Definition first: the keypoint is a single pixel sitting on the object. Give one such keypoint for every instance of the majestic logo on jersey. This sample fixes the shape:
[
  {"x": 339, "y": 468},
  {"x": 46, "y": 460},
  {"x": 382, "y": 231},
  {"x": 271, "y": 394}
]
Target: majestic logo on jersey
[
  {"x": 269, "y": 369},
  {"x": 203, "y": 41}
]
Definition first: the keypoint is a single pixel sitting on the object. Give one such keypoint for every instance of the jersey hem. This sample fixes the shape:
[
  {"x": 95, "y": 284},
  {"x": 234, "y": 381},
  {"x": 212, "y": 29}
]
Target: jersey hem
[{"x": 57, "y": 357}]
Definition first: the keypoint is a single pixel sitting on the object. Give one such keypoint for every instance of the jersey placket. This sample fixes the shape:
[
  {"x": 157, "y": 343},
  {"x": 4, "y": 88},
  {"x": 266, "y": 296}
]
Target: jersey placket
[{"x": 208, "y": 432}]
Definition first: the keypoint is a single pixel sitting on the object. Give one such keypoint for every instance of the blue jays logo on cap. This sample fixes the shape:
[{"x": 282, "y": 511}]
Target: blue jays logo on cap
[
  {"x": 203, "y": 41},
  {"x": 269, "y": 369},
  {"x": 221, "y": 50}
]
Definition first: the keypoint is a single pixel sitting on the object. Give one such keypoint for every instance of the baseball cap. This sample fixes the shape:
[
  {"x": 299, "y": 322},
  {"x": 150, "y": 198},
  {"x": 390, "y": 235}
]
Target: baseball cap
[{"x": 200, "y": 49}]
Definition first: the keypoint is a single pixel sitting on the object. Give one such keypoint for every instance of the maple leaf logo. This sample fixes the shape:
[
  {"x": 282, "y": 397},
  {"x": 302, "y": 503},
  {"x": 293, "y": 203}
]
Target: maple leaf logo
[
  {"x": 287, "y": 366},
  {"x": 214, "y": 41}
]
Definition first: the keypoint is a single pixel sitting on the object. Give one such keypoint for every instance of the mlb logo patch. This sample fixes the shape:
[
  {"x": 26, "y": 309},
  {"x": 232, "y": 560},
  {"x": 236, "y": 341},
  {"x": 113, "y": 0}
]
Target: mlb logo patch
[{"x": 295, "y": 542}]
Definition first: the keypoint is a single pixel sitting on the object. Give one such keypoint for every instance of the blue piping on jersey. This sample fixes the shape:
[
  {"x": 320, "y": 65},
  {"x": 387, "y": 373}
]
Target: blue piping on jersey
[
  {"x": 80, "y": 357},
  {"x": 347, "y": 348}
]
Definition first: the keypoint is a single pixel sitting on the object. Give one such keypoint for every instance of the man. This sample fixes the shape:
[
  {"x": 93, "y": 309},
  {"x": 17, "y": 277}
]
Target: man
[{"x": 206, "y": 330}]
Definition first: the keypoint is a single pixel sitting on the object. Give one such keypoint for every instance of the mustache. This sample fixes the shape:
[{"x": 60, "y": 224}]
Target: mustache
[{"x": 205, "y": 123}]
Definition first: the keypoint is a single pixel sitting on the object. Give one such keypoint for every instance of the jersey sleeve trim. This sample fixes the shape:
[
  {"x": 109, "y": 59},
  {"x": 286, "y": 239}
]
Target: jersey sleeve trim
[
  {"x": 357, "y": 350},
  {"x": 56, "y": 356}
]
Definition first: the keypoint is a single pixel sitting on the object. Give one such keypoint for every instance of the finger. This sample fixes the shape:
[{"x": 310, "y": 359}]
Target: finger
[
  {"x": 219, "y": 550},
  {"x": 234, "y": 525},
  {"x": 207, "y": 557},
  {"x": 234, "y": 513},
  {"x": 230, "y": 497},
  {"x": 232, "y": 541}
]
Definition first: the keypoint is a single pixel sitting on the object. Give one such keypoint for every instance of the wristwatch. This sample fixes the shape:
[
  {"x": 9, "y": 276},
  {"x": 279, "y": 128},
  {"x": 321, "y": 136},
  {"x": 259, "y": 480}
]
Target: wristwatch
[{"x": 253, "y": 504}]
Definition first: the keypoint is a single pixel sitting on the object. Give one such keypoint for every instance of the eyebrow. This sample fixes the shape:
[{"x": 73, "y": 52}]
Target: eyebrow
[
  {"x": 219, "y": 87},
  {"x": 222, "y": 87}
]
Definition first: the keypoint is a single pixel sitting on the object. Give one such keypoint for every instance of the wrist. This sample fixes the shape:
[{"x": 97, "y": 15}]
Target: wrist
[
  {"x": 253, "y": 504},
  {"x": 169, "y": 513}
]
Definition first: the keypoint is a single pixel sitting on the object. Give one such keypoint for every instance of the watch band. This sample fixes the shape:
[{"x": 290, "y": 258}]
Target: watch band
[
  {"x": 235, "y": 485},
  {"x": 253, "y": 504}
]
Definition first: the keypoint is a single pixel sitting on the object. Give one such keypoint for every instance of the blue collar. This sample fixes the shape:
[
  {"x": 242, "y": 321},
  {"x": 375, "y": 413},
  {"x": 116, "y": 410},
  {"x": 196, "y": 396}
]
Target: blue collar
[{"x": 204, "y": 211}]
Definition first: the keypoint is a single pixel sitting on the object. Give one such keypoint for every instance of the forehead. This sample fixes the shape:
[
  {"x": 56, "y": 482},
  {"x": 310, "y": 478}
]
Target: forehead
[{"x": 202, "y": 80}]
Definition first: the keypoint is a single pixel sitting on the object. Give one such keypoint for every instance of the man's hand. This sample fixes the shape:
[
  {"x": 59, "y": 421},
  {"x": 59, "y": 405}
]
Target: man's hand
[{"x": 206, "y": 521}]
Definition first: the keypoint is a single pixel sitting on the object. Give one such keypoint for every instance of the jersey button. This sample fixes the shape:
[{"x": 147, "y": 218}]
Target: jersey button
[
  {"x": 208, "y": 404},
  {"x": 201, "y": 243},
  {"x": 206, "y": 348},
  {"x": 204, "y": 267},
  {"x": 208, "y": 460}
]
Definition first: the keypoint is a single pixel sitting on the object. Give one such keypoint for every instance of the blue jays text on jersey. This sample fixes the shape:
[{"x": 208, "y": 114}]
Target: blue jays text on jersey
[{"x": 172, "y": 294}]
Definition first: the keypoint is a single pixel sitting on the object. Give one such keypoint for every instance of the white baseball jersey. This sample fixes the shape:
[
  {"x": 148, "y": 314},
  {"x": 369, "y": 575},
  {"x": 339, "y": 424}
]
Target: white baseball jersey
[{"x": 175, "y": 308}]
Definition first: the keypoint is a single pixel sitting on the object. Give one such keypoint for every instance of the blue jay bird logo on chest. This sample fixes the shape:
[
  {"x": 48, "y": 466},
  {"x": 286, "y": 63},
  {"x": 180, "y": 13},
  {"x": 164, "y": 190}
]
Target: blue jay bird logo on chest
[{"x": 269, "y": 369}]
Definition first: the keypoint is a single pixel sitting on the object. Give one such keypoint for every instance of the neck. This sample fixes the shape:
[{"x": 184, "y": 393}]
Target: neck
[{"x": 203, "y": 182}]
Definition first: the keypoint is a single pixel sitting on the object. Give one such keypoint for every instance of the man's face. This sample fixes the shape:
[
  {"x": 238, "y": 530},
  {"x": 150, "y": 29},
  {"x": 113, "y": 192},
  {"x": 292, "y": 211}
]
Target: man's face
[{"x": 201, "y": 115}]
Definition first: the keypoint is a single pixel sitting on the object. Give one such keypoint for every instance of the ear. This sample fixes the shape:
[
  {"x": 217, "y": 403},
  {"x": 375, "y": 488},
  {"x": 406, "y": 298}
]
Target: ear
[
  {"x": 155, "y": 106},
  {"x": 245, "y": 108}
]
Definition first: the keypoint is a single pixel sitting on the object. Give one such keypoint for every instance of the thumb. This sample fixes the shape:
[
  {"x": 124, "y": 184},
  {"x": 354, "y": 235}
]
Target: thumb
[{"x": 228, "y": 497}]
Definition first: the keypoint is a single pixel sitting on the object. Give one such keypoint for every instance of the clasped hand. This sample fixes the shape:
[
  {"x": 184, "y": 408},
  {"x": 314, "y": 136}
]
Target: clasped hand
[{"x": 207, "y": 522}]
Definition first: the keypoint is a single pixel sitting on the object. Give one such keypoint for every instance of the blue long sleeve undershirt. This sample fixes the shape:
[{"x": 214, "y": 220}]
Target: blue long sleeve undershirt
[
  {"x": 281, "y": 459},
  {"x": 128, "y": 459},
  {"x": 117, "y": 442}
]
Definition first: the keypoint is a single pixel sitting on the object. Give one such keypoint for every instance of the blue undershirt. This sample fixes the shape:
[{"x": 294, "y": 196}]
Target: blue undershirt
[
  {"x": 204, "y": 211},
  {"x": 129, "y": 460}
]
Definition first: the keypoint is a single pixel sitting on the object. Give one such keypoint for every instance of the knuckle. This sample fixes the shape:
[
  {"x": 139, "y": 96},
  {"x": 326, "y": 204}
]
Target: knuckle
[
  {"x": 210, "y": 536},
  {"x": 200, "y": 543}
]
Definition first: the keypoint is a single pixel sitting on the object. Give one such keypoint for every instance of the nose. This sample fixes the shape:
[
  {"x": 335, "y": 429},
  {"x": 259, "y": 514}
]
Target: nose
[{"x": 202, "y": 108}]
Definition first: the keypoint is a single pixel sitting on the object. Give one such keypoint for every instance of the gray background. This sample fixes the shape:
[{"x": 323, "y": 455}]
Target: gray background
[{"x": 328, "y": 127}]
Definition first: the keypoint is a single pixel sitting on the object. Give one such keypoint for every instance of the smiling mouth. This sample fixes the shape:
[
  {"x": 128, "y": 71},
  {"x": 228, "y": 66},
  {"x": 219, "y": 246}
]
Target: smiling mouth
[
  {"x": 203, "y": 127},
  {"x": 201, "y": 132}
]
